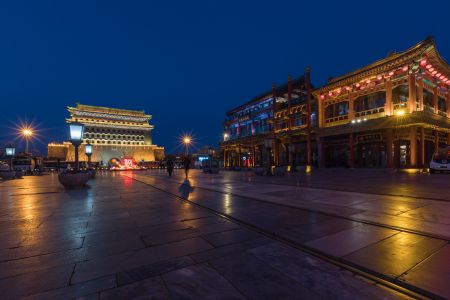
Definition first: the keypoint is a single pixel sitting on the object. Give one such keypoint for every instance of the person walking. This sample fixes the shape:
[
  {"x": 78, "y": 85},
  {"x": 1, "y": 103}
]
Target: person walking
[
  {"x": 186, "y": 165},
  {"x": 170, "y": 167}
]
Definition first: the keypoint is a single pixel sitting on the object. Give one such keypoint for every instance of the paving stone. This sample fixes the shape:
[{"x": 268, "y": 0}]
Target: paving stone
[
  {"x": 397, "y": 254},
  {"x": 228, "y": 249},
  {"x": 433, "y": 274},
  {"x": 87, "y": 289},
  {"x": 151, "y": 288},
  {"x": 189, "y": 283},
  {"x": 35, "y": 282},
  {"x": 256, "y": 280},
  {"x": 35, "y": 263},
  {"x": 348, "y": 241},
  {"x": 126, "y": 261},
  {"x": 154, "y": 269},
  {"x": 229, "y": 237},
  {"x": 325, "y": 279}
]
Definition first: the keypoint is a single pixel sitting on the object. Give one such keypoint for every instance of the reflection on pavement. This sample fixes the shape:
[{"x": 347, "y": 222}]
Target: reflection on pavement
[{"x": 185, "y": 189}]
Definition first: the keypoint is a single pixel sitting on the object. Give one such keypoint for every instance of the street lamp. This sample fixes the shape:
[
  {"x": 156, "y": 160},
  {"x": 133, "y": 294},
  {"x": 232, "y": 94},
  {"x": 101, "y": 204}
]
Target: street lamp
[
  {"x": 187, "y": 141},
  {"x": 76, "y": 137},
  {"x": 225, "y": 136},
  {"x": 88, "y": 152},
  {"x": 27, "y": 133},
  {"x": 10, "y": 152}
]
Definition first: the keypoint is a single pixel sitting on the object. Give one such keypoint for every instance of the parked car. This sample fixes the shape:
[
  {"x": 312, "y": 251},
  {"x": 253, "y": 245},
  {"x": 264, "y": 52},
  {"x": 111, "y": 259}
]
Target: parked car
[{"x": 440, "y": 161}]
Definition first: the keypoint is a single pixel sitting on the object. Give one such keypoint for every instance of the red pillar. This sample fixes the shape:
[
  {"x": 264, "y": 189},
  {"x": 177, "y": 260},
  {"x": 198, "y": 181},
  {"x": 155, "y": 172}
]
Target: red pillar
[
  {"x": 422, "y": 148},
  {"x": 351, "y": 157},
  {"x": 413, "y": 146},
  {"x": 308, "y": 121},
  {"x": 389, "y": 148},
  {"x": 436, "y": 140},
  {"x": 320, "y": 149}
]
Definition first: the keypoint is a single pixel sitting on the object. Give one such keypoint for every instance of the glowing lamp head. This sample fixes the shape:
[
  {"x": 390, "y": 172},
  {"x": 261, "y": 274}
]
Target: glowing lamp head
[
  {"x": 88, "y": 149},
  {"x": 380, "y": 77},
  {"x": 187, "y": 140},
  {"x": 391, "y": 73},
  {"x": 76, "y": 132},
  {"x": 27, "y": 132},
  {"x": 400, "y": 112},
  {"x": 438, "y": 74},
  {"x": 322, "y": 97},
  {"x": 10, "y": 151},
  {"x": 433, "y": 73},
  {"x": 405, "y": 68},
  {"x": 423, "y": 63}
]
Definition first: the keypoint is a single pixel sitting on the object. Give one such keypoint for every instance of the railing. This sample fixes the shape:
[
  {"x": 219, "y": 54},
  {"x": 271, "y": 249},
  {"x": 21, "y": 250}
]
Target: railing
[
  {"x": 428, "y": 108},
  {"x": 338, "y": 119},
  {"x": 442, "y": 113},
  {"x": 401, "y": 105},
  {"x": 372, "y": 111}
]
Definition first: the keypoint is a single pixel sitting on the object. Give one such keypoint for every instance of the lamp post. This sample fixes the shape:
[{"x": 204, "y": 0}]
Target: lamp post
[
  {"x": 88, "y": 152},
  {"x": 268, "y": 146},
  {"x": 10, "y": 152},
  {"x": 76, "y": 137},
  {"x": 27, "y": 133},
  {"x": 187, "y": 141}
]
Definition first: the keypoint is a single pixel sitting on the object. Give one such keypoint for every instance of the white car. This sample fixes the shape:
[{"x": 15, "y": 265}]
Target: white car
[{"x": 440, "y": 161}]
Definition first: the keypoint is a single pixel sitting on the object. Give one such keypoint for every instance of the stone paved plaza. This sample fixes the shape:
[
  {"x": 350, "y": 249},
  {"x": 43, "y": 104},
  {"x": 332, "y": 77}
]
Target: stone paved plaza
[{"x": 231, "y": 235}]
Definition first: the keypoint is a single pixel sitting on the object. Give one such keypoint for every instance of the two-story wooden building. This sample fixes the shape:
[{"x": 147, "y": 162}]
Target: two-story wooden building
[{"x": 394, "y": 112}]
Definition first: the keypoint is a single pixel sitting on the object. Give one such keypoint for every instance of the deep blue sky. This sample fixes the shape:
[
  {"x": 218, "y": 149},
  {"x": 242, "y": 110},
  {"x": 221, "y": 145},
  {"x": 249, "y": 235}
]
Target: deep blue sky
[{"x": 188, "y": 62}]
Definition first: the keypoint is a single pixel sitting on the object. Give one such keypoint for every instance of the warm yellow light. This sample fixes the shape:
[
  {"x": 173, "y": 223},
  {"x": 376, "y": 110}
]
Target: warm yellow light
[
  {"x": 187, "y": 140},
  {"x": 27, "y": 132},
  {"x": 400, "y": 112}
]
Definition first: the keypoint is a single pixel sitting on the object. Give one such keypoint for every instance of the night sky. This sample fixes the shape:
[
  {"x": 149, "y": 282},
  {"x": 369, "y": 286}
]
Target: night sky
[{"x": 187, "y": 62}]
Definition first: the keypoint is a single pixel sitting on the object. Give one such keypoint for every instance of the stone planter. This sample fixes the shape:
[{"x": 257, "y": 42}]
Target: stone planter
[
  {"x": 7, "y": 175},
  {"x": 72, "y": 180},
  {"x": 92, "y": 173},
  {"x": 19, "y": 173}
]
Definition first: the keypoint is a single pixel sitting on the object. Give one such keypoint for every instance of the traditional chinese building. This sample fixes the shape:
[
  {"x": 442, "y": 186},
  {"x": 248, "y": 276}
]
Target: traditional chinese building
[
  {"x": 278, "y": 117},
  {"x": 394, "y": 112},
  {"x": 114, "y": 133}
]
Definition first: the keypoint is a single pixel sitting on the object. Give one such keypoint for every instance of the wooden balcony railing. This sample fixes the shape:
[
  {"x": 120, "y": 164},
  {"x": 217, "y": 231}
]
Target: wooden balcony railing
[{"x": 369, "y": 112}]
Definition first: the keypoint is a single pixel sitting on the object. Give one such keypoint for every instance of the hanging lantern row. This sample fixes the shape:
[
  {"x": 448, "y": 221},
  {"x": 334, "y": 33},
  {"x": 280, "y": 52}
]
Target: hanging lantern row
[
  {"x": 362, "y": 84},
  {"x": 434, "y": 72}
]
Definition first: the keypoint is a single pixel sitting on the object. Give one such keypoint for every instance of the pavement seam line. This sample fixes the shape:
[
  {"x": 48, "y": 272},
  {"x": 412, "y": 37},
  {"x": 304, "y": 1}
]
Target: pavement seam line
[{"x": 379, "y": 278}]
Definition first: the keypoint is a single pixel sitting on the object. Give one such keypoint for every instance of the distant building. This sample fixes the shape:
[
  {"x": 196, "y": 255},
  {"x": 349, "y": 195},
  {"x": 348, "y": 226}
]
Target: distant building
[
  {"x": 278, "y": 115},
  {"x": 114, "y": 133}
]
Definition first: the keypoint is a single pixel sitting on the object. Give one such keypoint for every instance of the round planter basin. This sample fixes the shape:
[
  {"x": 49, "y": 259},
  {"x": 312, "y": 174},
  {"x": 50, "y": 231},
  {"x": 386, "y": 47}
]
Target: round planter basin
[
  {"x": 19, "y": 173},
  {"x": 92, "y": 173},
  {"x": 74, "y": 179},
  {"x": 7, "y": 174}
]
